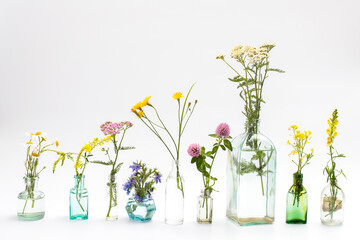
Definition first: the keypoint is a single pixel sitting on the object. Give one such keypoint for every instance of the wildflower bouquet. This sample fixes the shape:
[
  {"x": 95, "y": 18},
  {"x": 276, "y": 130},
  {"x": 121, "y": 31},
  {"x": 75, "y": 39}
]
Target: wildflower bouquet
[
  {"x": 298, "y": 144},
  {"x": 111, "y": 130},
  {"x": 199, "y": 155},
  {"x": 81, "y": 160},
  {"x": 334, "y": 203},
  {"x": 184, "y": 114},
  {"x": 142, "y": 181},
  {"x": 255, "y": 69},
  {"x": 36, "y": 146}
]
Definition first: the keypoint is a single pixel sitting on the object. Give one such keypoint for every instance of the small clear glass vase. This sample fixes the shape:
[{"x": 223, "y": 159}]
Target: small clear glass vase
[
  {"x": 205, "y": 207},
  {"x": 251, "y": 176},
  {"x": 297, "y": 202},
  {"x": 141, "y": 211},
  {"x": 112, "y": 189},
  {"x": 31, "y": 202},
  {"x": 79, "y": 200},
  {"x": 332, "y": 205},
  {"x": 174, "y": 196}
]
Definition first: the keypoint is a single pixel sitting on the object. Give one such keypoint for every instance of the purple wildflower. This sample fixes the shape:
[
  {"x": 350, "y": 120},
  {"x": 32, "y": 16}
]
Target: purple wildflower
[
  {"x": 138, "y": 199},
  {"x": 128, "y": 185},
  {"x": 135, "y": 168},
  {"x": 223, "y": 130},
  {"x": 194, "y": 150},
  {"x": 158, "y": 178}
]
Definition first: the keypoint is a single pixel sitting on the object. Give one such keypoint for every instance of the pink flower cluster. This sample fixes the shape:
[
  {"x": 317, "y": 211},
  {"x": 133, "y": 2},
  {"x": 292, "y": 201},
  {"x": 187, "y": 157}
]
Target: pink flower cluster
[
  {"x": 110, "y": 128},
  {"x": 223, "y": 130},
  {"x": 194, "y": 150}
]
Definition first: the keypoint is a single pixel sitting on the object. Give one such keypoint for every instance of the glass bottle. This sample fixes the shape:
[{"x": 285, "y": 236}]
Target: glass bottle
[
  {"x": 251, "y": 175},
  {"x": 174, "y": 196},
  {"x": 141, "y": 211},
  {"x": 205, "y": 207},
  {"x": 79, "y": 200},
  {"x": 112, "y": 187},
  {"x": 297, "y": 202},
  {"x": 332, "y": 205},
  {"x": 31, "y": 202}
]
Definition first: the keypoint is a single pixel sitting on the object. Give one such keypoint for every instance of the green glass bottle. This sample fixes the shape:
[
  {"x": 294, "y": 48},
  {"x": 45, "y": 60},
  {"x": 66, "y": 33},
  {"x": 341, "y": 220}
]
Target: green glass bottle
[{"x": 297, "y": 202}]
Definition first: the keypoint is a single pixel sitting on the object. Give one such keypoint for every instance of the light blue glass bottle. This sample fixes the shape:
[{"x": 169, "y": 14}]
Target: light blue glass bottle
[
  {"x": 141, "y": 211},
  {"x": 251, "y": 175},
  {"x": 79, "y": 200}
]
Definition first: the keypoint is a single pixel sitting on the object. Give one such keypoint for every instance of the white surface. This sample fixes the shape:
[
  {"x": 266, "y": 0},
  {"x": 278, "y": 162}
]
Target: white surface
[{"x": 68, "y": 66}]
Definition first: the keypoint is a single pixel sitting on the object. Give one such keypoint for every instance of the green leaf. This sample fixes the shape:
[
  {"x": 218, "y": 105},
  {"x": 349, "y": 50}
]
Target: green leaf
[
  {"x": 127, "y": 148},
  {"x": 275, "y": 70},
  {"x": 208, "y": 153},
  {"x": 227, "y": 144},
  {"x": 193, "y": 160},
  {"x": 215, "y": 149},
  {"x": 223, "y": 147},
  {"x": 102, "y": 163},
  {"x": 213, "y": 135}
]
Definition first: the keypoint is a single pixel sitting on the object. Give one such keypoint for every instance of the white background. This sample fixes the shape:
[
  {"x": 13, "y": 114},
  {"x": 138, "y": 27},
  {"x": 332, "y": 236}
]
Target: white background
[{"x": 68, "y": 66}]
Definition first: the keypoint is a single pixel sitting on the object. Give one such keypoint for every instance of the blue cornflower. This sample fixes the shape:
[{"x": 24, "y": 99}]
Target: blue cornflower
[
  {"x": 158, "y": 178},
  {"x": 128, "y": 185},
  {"x": 135, "y": 167}
]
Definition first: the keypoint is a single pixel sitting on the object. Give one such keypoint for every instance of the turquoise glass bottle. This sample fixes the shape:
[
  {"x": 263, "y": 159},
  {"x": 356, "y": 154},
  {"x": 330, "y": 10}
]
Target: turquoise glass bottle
[
  {"x": 141, "y": 211},
  {"x": 297, "y": 202},
  {"x": 79, "y": 200}
]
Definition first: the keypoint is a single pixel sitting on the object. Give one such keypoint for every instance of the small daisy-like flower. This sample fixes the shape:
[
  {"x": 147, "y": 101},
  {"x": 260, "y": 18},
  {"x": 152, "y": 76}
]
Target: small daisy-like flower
[
  {"x": 194, "y": 150},
  {"x": 220, "y": 56},
  {"x": 223, "y": 130},
  {"x": 177, "y": 95},
  {"x": 57, "y": 143},
  {"x": 29, "y": 143},
  {"x": 34, "y": 154}
]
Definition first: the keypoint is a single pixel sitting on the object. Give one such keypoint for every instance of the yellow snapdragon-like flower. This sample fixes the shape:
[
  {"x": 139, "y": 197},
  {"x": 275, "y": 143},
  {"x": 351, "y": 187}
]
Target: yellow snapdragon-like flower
[
  {"x": 145, "y": 102},
  {"x": 177, "y": 95},
  {"x": 141, "y": 114}
]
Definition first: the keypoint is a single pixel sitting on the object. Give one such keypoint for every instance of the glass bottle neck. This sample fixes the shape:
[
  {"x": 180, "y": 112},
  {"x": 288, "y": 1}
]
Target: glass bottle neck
[
  {"x": 31, "y": 183},
  {"x": 253, "y": 126},
  {"x": 298, "y": 179},
  {"x": 205, "y": 193},
  {"x": 79, "y": 181}
]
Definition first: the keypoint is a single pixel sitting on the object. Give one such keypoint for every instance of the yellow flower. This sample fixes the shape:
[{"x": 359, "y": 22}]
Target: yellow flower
[
  {"x": 29, "y": 143},
  {"x": 328, "y": 131},
  {"x": 293, "y": 152},
  {"x": 37, "y": 133},
  {"x": 309, "y": 132},
  {"x": 137, "y": 106},
  {"x": 56, "y": 143},
  {"x": 312, "y": 149},
  {"x": 288, "y": 142},
  {"x": 77, "y": 165},
  {"x": 141, "y": 114},
  {"x": 145, "y": 102},
  {"x": 88, "y": 147},
  {"x": 177, "y": 95},
  {"x": 34, "y": 154},
  {"x": 335, "y": 134}
]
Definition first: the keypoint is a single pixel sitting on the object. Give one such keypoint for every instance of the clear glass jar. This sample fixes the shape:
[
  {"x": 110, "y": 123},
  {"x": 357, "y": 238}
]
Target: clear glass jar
[
  {"x": 205, "y": 207},
  {"x": 297, "y": 202},
  {"x": 332, "y": 205},
  {"x": 141, "y": 211},
  {"x": 31, "y": 202},
  {"x": 112, "y": 187},
  {"x": 79, "y": 200},
  {"x": 251, "y": 176},
  {"x": 174, "y": 196}
]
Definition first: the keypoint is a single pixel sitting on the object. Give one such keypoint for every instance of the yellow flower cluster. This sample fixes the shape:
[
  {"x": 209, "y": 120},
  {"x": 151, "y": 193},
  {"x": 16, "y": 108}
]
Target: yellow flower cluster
[
  {"x": 331, "y": 131},
  {"x": 89, "y": 147},
  {"x": 300, "y": 140},
  {"x": 137, "y": 108},
  {"x": 96, "y": 142}
]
